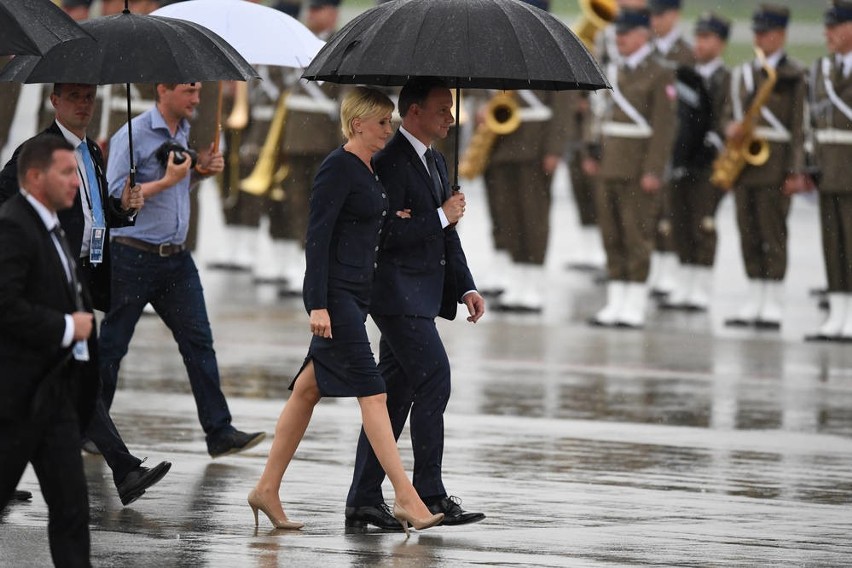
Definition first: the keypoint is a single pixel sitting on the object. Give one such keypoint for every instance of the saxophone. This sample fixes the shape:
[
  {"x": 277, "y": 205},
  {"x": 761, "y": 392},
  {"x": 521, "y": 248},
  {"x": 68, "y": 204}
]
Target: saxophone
[
  {"x": 268, "y": 173},
  {"x": 501, "y": 118},
  {"x": 750, "y": 149}
]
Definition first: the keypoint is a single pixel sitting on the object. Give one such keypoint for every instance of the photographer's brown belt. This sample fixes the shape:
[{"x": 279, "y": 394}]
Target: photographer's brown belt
[{"x": 165, "y": 249}]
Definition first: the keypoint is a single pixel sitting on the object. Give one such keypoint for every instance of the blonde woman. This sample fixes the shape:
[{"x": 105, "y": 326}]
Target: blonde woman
[{"x": 348, "y": 207}]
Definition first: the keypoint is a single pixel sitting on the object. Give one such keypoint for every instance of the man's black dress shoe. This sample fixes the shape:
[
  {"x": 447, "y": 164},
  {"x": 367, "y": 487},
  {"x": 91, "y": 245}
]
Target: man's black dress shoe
[
  {"x": 233, "y": 442},
  {"x": 453, "y": 513},
  {"x": 379, "y": 515},
  {"x": 21, "y": 495},
  {"x": 137, "y": 481}
]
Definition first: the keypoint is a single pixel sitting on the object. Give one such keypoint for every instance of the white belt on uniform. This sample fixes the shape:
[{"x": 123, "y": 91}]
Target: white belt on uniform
[
  {"x": 771, "y": 134},
  {"x": 833, "y": 136},
  {"x": 626, "y": 130}
]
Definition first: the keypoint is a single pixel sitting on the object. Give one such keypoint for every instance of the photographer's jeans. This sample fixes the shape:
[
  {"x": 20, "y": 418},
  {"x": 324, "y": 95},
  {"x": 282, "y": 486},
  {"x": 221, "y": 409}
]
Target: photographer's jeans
[{"x": 172, "y": 286}]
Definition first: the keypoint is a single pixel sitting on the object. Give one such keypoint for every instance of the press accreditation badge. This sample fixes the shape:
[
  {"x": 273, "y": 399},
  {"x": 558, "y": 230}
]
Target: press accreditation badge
[
  {"x": 81, "y": 351},
  {"x": 96, "y": 247}
]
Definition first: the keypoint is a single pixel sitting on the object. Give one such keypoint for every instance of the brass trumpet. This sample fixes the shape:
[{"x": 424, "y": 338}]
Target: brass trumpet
[
  {"x": 596, "y": 15},
  {"x": 501, "y": 118},
  {"x": 267, "y": 172}
]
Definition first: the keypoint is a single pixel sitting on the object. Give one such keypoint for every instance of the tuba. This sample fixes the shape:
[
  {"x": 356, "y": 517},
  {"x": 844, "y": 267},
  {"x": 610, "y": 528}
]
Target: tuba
[
  {"x": 749, "y": 149},
  {"x": 596, "y": 15},
  {"x": 268, "y": 173},
  {"x": 501, "y": 118}
]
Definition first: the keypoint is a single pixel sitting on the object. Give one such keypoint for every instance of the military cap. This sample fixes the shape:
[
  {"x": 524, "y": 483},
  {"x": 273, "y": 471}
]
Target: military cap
[
  {"x": 839, "y": 12},
  {"x": 770, "y": 17},
  {"x": 76, "y": 3},
  {"x": 542, "y": 4},
  {"x": 710, "y": 22},
  {"x": 289, "y": 7},
  {"x": 323, "y": 3},
  {"x": 629, "y": 19},
  {"x": 660, "y": 6}
]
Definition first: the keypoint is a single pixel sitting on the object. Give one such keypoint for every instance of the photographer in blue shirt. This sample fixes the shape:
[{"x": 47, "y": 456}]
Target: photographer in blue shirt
[{"x": 152, "y": 265}]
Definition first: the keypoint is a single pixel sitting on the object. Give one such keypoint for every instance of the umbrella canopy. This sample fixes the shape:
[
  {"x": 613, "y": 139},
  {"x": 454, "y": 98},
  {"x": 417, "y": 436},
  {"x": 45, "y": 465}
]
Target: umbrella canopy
[
  {"x": 263, "y": 36},
  {"x": 132, "y": 48},
  {"x": 488, "y": 44},
  {"x": 34, "y": 26}
]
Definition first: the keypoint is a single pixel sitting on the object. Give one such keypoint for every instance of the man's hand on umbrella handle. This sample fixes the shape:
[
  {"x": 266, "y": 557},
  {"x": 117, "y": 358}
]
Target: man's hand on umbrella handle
[
  {"x": 210, "y": 162},
  {"x": 131, "y": 197},
  {"x": 454, "y": 207}
]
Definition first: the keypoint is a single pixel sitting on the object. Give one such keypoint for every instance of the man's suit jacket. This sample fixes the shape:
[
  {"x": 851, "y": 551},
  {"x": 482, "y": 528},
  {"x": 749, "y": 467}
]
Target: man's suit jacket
[
  {"x": 34, "y": 297},
  {"x": 72, "y": 219},
  {"x": 422, "y": 270}
]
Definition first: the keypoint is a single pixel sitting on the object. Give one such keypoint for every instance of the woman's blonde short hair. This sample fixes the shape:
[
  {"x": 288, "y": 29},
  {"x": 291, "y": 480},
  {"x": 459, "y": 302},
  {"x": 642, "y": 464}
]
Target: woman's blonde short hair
[{"x": 362, "y": 102}]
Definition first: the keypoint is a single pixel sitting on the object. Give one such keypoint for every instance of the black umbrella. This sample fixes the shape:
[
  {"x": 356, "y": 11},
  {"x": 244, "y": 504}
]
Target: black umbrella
[
  {"x": 35, "y": 26},
  {"x": 486, "y": 44},
  {"x": 133, "y": 48}
]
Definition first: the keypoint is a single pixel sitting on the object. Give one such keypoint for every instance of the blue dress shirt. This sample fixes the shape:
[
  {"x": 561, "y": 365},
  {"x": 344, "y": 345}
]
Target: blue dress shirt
[{"x": 165, "y": 216}]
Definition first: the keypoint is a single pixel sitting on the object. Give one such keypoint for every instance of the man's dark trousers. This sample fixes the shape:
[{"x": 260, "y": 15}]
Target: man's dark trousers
[{"x": 416, "y": 369}]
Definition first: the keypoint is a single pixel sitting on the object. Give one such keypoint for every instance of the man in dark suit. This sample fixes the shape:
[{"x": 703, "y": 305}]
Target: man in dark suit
[
  {"x": 86, "y": 224},
  {"x": 421, "y": 273},
  {"x": 45, "y": 322}
]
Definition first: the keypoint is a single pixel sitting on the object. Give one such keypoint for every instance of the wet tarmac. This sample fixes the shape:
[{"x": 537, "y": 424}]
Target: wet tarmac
[{"x": 685, "y": 444}]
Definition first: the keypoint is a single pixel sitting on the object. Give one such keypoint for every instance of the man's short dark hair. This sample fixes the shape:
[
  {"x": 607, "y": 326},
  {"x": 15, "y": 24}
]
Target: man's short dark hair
[
  {"x": 37, "y": 152},
  {"x": 416, "y": 90}
]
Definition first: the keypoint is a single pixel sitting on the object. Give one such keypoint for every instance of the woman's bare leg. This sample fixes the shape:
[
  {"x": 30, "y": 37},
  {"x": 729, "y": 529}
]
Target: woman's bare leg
[
  {"x": 289, "y": 431},
  {"x": 377, "y": 427}
]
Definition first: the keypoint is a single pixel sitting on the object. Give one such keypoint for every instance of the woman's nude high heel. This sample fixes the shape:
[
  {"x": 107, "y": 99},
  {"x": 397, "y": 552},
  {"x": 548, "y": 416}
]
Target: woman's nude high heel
[
  {"x": 255, "y": 502},
  {"x": 405, "y": 518}
]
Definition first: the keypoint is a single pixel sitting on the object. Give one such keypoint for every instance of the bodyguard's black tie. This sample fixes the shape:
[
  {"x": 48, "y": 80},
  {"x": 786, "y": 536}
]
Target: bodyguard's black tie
[
  {"x": 72, "y": 265},
  {"x": 437, "y": 186}
]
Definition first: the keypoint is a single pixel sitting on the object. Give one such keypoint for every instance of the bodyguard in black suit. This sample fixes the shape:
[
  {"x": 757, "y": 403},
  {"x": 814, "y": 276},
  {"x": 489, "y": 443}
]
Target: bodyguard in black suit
[
  {"x": 92, "y": 207},
  {"x": 45, "y": 322},
  {"x": 422, "y": 273}
]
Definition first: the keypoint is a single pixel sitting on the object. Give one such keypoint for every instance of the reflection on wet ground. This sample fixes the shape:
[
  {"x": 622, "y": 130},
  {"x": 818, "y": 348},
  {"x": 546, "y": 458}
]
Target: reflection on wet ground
[{"x": 682, "y": 445}]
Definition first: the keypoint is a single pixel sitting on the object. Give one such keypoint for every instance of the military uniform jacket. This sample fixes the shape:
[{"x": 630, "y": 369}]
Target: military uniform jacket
[
  {"x": 535, "y": 139},
  {"x": 831, "y": 119},
  {"x": 631, "y": 149},
  {"x": 313, "y": 119},
  {"x": 786, "y": 104},
  {"x": 680, "y": 53}
]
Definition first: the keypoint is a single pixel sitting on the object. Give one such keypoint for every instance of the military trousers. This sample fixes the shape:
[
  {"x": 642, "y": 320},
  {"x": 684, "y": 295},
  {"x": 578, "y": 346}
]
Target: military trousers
[
  {"x": 627, "y": 217},
  {"x": 519, "y": 201},
  {"x": 762, "y": 220},
  {"x": 694, "y": 201},
  {"x": 240, "y": 209},
  {"x": 288, "y": 217},
  {"x": 835, "y": 211},
  {"x": 664, "y": 238},
  {"x": 583, "y": 188}
]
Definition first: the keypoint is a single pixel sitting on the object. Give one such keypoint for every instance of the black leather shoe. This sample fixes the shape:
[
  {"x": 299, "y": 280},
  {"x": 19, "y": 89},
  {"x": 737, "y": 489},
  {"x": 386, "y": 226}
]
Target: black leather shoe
[
  {"x": 137, "y": 481},
  {"x": 453, "y": 513},
  {"x": 21, "y": 495},
  {"x": 378, "y": 515},
  {"x": 233, "y": 442}
]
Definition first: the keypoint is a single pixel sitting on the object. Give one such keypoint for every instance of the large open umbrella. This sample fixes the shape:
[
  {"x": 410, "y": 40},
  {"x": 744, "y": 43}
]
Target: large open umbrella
[
  {"x": 263, "y": 36},
  {"x": 34, "y": 26},
  {"x": 135, "y": 49},
  {"x": 485, "y": 44}
]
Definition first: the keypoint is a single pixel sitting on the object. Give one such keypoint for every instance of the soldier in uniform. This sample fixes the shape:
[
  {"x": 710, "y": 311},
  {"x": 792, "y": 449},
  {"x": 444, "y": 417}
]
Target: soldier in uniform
[
  {"x": 517, "y": 178},
  {"x": 831, "y": 114},
  {"x": 671, "y": 45},
  {"x": 589, "y": 253},
  {"x": 637, "y": 124},
  {"x": 694, "y": 199},
  {"x": 762, "y": 193},
  {"x": 311, "y": 131}
]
